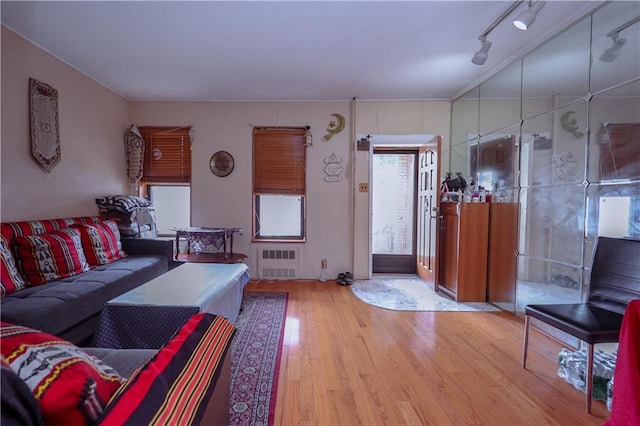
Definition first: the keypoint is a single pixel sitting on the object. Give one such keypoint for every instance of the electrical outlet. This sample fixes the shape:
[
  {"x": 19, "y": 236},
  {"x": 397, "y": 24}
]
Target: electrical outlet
[
  {"x": 364, "y": 187},
  {"x": 323, "y": 263}
]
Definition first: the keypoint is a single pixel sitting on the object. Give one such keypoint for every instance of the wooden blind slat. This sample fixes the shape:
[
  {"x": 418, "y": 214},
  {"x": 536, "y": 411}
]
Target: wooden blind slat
[
  {"x": 167, "y": 155},
  {"x": 279, "y": 161}
]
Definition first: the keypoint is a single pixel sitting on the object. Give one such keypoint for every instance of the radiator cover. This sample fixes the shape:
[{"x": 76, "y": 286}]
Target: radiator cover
[{"x": 278, "y": 263}]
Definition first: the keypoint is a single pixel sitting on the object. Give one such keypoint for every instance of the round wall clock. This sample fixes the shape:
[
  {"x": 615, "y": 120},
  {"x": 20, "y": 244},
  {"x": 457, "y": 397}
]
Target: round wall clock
[{"x": 221, "y": 163}]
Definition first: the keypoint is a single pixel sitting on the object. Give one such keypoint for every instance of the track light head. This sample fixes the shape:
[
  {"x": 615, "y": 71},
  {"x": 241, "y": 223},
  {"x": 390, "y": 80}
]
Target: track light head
[
  {"x": 526, "y": 18},
  {"x": 480, "y": 57},
  {"x": 611, "y": 54}
]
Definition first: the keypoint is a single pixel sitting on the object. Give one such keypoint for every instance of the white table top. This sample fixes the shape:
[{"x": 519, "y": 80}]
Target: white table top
[{"x": 190, "y": 284}]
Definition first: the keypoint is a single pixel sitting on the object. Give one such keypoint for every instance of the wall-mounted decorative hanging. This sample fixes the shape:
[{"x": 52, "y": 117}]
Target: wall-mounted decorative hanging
[
  {"x": 134, "y": 149},
  {"x": 335, "y": 127},
  {"x": 570, "y": 124},
  {"x": 43, "y": 114},
  {"x": 567, "y": 167},
  {"x": 221, "y": 163},
  {"x": 333, "y": 168}
]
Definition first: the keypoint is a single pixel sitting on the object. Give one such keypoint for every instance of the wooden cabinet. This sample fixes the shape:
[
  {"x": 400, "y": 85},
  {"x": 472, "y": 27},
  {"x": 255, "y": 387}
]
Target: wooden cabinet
[
  {"x": 503, "y": 231},
  {"x": 464, "y": 237}
]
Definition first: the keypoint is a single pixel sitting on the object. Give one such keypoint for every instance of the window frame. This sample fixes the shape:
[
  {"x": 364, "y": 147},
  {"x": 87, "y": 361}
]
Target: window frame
[
  {"x": 292, "y": 157},
  {"x": 184, "y": 179}
]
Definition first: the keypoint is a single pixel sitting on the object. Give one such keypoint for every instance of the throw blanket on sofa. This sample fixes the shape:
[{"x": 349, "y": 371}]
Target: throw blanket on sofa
[{"x": 177, "y": 384}]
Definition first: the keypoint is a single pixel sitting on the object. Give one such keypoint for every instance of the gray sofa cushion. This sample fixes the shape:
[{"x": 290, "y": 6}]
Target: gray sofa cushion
[
  {"x": 59, "y": 306},
  {"x": 124, "y": 361}
]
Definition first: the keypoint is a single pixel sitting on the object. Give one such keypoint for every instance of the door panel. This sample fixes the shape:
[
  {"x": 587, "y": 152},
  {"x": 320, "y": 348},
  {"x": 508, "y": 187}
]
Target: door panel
[
  {"x": 428, "y": 211},
  {"x": 394, "y": 209}
]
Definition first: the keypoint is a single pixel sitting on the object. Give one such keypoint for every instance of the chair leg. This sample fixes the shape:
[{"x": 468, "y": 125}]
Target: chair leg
[
  {"x": 589, "y": 376},
  {"x": 525, "y": 340}
]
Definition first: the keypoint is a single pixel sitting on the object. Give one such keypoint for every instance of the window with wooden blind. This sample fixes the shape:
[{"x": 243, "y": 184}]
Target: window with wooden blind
[
  {"x": 279, "y": 183},
  {"x": 166, "y": 176},
  {"x": 167, "y": 155}
]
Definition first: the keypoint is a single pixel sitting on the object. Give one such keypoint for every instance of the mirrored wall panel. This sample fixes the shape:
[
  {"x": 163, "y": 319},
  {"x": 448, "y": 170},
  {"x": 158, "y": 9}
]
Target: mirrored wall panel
[
  {"x": 543, "y": 281},
  {"x": 464, "y": 117},
  {"x": 614, "y": 146},
  {"x": 616, "y": 45},
  {"x": 500, "y": 99},
  {"x": 494, "y": 161},
  {"x": 557, "y": 72},
  {"x": 576, "y": 148},
  {"x": 552, "y": 219},
  {"x": 553, "y": 150}
]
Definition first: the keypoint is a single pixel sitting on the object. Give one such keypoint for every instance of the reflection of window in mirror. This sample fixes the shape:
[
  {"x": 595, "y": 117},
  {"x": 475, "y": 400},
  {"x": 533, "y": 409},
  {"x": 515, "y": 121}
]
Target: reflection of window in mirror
[
  {"x": 619, "y": 151},
  {"x": 613, "y": 220},
  {"x": 496, "y": 165}
]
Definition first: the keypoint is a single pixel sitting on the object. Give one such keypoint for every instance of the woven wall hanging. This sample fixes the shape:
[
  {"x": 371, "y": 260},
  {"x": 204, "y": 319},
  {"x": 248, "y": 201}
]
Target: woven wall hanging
[{"x": 43, "y": 114}]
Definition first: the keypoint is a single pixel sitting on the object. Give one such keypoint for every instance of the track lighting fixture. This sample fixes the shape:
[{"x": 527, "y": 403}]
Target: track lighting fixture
[
  {"x": 480, "y": 57},
  {"x": 611, "y": 54},
  {"x": 526, "y": 18}
]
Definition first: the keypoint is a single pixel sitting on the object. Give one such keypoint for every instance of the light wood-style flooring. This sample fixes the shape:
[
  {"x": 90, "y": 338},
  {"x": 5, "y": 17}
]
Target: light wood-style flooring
[{"x": 345, "y": 362}]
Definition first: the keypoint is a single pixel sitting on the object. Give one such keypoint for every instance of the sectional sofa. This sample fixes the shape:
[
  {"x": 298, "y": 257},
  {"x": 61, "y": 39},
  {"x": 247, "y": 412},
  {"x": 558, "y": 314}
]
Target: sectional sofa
[{"x": 57, "y": 274}]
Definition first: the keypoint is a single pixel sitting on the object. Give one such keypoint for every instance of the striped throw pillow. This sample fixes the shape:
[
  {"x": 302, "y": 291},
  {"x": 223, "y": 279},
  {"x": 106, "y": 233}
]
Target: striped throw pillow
[
  {"x": 51, "y": 256},
  {"x": 11, "y": 280},
  {"x": 71, "y": 386},
  {"x": 101, "y": 242}
]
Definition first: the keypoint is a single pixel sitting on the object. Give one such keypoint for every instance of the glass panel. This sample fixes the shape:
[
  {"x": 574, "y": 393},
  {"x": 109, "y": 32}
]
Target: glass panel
[
  {"x": 497, "y": 160},
  {"x": 554, "y": 147},
  {"x": 464, "y": 116},
  {"x": 542, "y": 281},
  {"x": 552, "y": 219},
  {"x": 557, "y": 72},
  {"x": 280, "y": 216},
  {"x": 393, "y": 189},
  {"x": 613, "y": 210},
  {"x": 500, "y": 99},
  {"x": 172, "y": 207},
  {"x": 607, "y": 70},
  {"x": 614, "y": 146},
  {"x": 459, "y": 158}
]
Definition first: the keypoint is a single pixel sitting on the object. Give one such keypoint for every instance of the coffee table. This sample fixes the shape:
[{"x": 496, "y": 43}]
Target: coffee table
[{"x": 149, "y": 315}]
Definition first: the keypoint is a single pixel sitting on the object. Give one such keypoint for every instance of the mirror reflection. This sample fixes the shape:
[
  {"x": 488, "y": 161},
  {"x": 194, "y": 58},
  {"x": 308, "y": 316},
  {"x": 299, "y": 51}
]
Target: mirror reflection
[
  {"x": 557, "y": 73},
  {"x": 566, "y": 137}
]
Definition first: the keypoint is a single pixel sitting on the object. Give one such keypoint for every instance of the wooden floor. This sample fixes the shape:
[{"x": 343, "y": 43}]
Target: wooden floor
[{"x": 348, "y": 363}]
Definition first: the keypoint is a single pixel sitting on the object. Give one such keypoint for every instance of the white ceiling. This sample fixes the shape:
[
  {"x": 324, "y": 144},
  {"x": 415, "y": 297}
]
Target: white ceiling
[{"x": 282, "y": 50}]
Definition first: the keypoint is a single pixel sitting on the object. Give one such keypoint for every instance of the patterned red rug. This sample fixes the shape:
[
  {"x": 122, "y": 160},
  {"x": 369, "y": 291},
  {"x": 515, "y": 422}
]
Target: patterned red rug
[{"x": 256, "y": 358}]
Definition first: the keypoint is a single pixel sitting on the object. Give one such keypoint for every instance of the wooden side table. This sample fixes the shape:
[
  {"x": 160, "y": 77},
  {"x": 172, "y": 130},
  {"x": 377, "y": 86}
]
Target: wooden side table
[{"x": 200, "y": 237}]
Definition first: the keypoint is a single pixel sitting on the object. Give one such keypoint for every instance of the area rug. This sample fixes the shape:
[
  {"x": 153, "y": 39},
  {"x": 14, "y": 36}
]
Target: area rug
[
  {"x": 410, "y": 293},
  {"x": 256, "y": 358}
]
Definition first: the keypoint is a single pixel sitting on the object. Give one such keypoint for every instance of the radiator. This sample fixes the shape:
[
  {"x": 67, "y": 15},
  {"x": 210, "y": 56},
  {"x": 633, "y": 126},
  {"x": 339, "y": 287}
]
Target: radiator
[{"x": 278, "y": 264}]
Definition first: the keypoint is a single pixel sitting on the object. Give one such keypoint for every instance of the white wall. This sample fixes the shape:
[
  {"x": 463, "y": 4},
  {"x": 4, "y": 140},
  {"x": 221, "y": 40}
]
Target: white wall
[
  {"x": 92, "y": 121},
  {"x": 227, "y": 201}
]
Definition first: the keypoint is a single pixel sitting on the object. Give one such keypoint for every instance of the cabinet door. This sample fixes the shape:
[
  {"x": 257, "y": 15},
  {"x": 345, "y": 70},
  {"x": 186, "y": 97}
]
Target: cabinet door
[
  {"x": 472, "y": 253},
  {"x": 502, "y": 255},
  {"x": 449, "y": 247}
]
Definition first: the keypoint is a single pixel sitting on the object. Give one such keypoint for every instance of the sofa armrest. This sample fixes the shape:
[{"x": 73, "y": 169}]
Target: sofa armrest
[
  {"x": 148, "y": 246},
  {"x": 165, "y": 389}
]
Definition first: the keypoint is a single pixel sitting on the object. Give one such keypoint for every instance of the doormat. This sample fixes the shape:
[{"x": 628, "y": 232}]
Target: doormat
[
  {"x": 410, "y": 293},
  {"x": 256, "y": 354}
]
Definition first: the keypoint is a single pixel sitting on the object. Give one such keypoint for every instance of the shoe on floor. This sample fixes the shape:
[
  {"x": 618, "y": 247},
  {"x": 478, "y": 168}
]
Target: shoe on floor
[
  {"x": 341, "y": 279},
  {"x": 348, "y": 278}
]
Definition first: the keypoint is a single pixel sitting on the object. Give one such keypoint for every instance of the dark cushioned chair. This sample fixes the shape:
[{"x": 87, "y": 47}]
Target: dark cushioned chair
[{"x": 615, "y": 280}]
